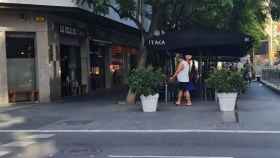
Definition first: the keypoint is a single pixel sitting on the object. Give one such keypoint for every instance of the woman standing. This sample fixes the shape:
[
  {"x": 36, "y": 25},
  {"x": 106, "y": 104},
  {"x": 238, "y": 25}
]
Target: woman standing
[{"x": 182, "y": 74}]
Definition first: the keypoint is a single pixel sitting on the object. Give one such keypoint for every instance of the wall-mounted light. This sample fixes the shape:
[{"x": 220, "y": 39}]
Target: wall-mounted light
[
  {"x": 96, "y": 71},
  {"x": 156, "y": 32},
  {"x": 40, "y": 19},
  {"x": 114, "y": 67}
]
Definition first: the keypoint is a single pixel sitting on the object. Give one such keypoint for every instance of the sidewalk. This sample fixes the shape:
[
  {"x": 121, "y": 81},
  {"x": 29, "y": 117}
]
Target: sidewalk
[
  {"x": 274, "y": 86},
  {"x": 258, "y": 109}
]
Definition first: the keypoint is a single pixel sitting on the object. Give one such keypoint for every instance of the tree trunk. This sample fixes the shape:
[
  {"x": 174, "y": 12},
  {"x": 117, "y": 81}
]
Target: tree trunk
[
  {"x": 143, "y": 53},
  {"x": 131, "y": 97},
  {"x": 143, "y": 50}
]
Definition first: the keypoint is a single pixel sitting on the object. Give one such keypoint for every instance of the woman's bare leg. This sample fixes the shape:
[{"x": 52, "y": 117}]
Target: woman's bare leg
[
  {"x": 179, "y": 98},
  {"x": 188, "y": 97}
]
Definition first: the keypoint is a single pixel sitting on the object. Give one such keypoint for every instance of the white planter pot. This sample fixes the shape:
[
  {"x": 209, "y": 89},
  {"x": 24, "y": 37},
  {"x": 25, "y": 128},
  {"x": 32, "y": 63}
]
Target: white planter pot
[
  {"x": 227, "y": 101},
  {"x": 149, "y": 103}
]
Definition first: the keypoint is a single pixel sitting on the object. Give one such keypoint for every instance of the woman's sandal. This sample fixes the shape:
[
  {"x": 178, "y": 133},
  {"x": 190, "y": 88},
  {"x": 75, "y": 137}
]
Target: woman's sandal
[{"x": 178, "y": 104}]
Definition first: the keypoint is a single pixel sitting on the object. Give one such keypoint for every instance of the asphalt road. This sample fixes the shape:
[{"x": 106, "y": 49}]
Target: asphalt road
[{"x": 144, "y": 145}]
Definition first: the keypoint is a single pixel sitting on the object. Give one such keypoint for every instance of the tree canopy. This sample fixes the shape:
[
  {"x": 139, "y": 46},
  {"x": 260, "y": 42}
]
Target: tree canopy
[{"x": 247, "y": 16}]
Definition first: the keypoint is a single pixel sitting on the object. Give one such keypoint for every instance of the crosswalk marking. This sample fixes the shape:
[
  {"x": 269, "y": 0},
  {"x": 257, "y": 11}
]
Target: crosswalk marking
[
  {"x": 145, "y": 131},
  {"x": 24, "y": 143},
  {"x": 4, "y": 153},
  {"x": 154, "y": 156},
  {"x": 18, "y": 144},
  {"x": 39, "y": 136}
]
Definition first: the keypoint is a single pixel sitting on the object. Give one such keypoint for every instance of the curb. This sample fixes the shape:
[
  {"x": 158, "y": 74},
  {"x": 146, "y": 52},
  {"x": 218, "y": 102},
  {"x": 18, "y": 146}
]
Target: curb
[{"x": 271, "y": 86}]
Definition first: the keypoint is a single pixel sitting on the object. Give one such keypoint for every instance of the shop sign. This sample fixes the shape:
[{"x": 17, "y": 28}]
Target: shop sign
[
  {"x": 157, "y": 42},
  {"x": 71, "y": 30}
]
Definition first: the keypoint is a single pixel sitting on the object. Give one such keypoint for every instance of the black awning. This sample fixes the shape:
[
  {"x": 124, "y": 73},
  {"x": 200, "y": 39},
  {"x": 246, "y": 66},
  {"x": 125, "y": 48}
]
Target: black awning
[{"x": 202, "y": 42}]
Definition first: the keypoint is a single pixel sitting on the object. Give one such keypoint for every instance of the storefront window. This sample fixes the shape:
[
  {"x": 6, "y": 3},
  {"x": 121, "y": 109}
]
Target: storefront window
[
  {"x": 121, "y": 63},
  {"x": 118, "y": 65},
  {"x": 97, "y": 66},
  {"x": 21, "y": 63}
]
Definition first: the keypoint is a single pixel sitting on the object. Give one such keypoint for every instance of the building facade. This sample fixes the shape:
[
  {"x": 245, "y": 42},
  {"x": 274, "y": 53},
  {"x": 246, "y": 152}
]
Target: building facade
[{"x": 48, "y": 52}]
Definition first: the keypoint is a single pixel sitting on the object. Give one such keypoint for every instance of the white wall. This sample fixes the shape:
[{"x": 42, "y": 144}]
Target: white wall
[
  {"x": 13, "y": 22},
  {"x": 3, "y": 70}
]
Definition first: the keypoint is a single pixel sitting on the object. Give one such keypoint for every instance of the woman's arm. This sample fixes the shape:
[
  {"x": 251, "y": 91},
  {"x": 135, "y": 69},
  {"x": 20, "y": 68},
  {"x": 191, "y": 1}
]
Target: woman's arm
[{"x": 179, "y": 69}]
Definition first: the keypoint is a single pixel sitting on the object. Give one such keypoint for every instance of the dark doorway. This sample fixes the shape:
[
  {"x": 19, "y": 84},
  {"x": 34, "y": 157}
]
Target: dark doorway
[{"x": 70, "y": 69}]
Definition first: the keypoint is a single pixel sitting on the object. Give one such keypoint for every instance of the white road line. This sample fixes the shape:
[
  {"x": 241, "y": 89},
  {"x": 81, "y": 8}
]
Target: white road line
[
  {"x": 18, "y": 144},
  {"x": 144, "y": 131},
  {"x": 39, "y": 136},
  {"x": 4, "y": 153},
  {"x": 153, "y": 156}
]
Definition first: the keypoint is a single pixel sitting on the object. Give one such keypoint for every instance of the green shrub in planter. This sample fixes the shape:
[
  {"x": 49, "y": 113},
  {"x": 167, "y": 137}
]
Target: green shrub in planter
[
  {"x": 226, "y": 81},
  {"x": 145, "y": 81}
]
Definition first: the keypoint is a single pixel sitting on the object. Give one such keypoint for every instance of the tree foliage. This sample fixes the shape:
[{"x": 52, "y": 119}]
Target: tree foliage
[{"x": 247, "y": 16}]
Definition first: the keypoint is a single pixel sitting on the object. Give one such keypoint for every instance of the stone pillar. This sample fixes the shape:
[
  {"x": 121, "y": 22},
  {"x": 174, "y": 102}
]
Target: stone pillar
[
  {"x": 85, "y": 63},
  {"x": 108, "y": 73},
  {"x": 126, "y": 68},
  {"x": 42, "y": 64},
  {"x": 4, "y": 99}
]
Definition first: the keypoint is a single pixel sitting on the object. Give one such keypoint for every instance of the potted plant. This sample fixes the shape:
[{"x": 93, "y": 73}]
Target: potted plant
[
  {"x": 145, "y": 82},
  {"x": 227, "y": 85}
]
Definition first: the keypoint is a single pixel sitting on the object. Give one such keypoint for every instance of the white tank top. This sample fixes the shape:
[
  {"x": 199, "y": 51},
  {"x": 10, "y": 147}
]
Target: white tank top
[{"x": 183, "y": 75}]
